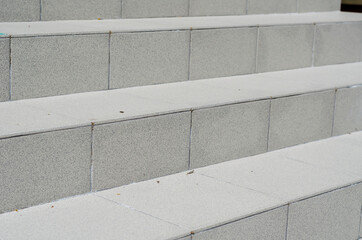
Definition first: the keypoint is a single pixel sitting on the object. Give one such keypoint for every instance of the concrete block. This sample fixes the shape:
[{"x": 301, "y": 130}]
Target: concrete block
[
  {"x": 44, "y": 167},
  {"x": 84, "y": 217},
  {"x": 229, "y": 132},
  {"x": 19, "y": 10},
  {"x": 138, "y": 150},
  {"x": 331, "y": 216},
  {"x": 271, "y": 6},
  {"x": 154, "y": 8},
  {"x": 80, "y": 9},
  {"x": 318, "y": 5},
  {"x": 55, "y": 65},
  {"x": 193, "y": 201},
  {"x": 4, "y": 70},
  {"x": 217, "y": 7},
  {"x": 338, "y": 43},
  {"x": 279, "y": 176},
  {"x": 348, "y": 111},
  {"x": 222, "y": 52},
  {"x": 149, "y": 58},
  {"x": 284, "y": 47},
  {"x": 300, "y": 119},
  {"x": 269, "y": 225}
]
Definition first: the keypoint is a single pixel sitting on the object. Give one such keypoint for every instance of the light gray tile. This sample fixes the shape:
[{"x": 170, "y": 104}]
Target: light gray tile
[
  {"x": 338, "y": 43},
  {"x": 19, "y": 10},
  {"x": 279, "y": 176},
  {"x": 284, "y": 47},
  {"x": 331, "y": 216},
  {"x": 319, "y": 5},
  {"x": 300, "y": 119},
  {"x": 222, "y": 52},
  {"x": 217, "y": 7},
  {"x": 348, "y": 111},
  {"x": 154, "y": 8},
  {"x": 47, "y": 66},
  {"x": 149, "y": 58},
  {"x": 193, "y": 201},
  {"x": 142, "y": 149},
  {"x": 4, "y": 70},
  {"x": 269, "y": 225},
  {"x": 80, "y": 9},
  {"x": 225, "y": 133},
  {"x": 84, "y": 217},
  {"x": 44, "y": 167},
  {"x": 271, "y": 6}
]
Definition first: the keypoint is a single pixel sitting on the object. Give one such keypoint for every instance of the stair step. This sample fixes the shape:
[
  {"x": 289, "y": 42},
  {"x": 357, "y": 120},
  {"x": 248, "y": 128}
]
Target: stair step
[
  {"x": 68, "y": 145},
  {"x": 295, "y": 193},
  {"x": 46, "y": 10},
  {"x": 65, "y": 57}
]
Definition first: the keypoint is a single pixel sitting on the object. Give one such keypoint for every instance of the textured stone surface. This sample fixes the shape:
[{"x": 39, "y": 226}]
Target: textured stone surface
[
  {"x": 269, "y": 225},
  {"x": 318, "y": 5},
  {"x": 193, "y": 201},
  {"x": 338, "y": 43},
  {"x": 84, "y": 217},
  {"x": 19, "y": 10},
  {"x": 222, "y": 52},
  {"x": 149, "y": 58},
  {"x": 348, "y": 111},
  {"x": 217, "y": 7},
  {"x": 154, "y": 8},
  {"x": 300, "y": 119},
  {"x": 137, "y": 150},
  {"x": 279, "y": 176},
  {"x": 44, "y": 167},
  {"x": 271, "y": 6},
  {"x": 229, "y": 132},
  {"x": 4, "y": 70},
  {"x": 80, "y": 9},
  {"x": 284, "y": 47},
  {"x": 331, "y": 216},
  {"x": 47, "y": 66}
]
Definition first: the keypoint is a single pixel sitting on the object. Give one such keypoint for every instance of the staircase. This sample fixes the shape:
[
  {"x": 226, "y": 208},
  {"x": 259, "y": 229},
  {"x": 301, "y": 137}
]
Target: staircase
[{"x": 101, "y": 102}]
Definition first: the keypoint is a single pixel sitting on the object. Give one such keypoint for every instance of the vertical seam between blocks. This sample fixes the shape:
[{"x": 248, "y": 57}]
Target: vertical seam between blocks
[
  {"x": 334, "y": 111},
  {"x": 10, "y": 70},
  {"x": 189, "y": 63},
  {"x": 109, "y": 60},
  {"x": 297, "y": 6},
  {"x": 268, "y": 135},
  {"x": 91, "y": 166},
  {"x": 40, "y": 9},
  {"x": 314, "y": 43},
  {"x": 287, "y": 223},
  {"x": 190, "y": 137},
  {"x": 121, "y": 2},
  {"x": 247, "y": 7},
  {"x": 189, "y": 8},
  {"x": 257, "y": 49}
]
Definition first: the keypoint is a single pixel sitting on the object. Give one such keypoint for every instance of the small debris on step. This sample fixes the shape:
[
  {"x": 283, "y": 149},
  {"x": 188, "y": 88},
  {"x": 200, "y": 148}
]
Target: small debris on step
[
  {"x": 190, "y": 172},
  {"x": 121, "y": 111},
  {"x": 158, "y": 181}
]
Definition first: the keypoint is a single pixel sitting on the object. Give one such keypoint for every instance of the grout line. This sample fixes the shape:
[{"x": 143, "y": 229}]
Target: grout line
[
  {"x": 189, "y": 66},
  {"x": 268, "y": 135},
  {"x": 287, "y": 223},
  {"x": 297, "y": 6},
  {"x": 41, "y": 10},
  {"x": 314, "y": 43},
  {"x": 189, "y": 8},
  {"x": 247, "y": 7},
  {"x": 10, "y": 70},
  {"x": 257, "y": 49},
  {"x": 190, "y": 137},
  {"x": 334, "y": 111},
  {"x": 109, "y": 60},
  {"x": 121, "y": 2},
  {"x": 139, "y": 211},
  {"x": 91, "y": 166}
]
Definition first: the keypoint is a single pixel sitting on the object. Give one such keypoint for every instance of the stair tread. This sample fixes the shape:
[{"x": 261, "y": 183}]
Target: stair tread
[
  {"x": 83, "y": 109},
  {"x": 17, "y": 29},
  {"x": 172, "y": 207}
]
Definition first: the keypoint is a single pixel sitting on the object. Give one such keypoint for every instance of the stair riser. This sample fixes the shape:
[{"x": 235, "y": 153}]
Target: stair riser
[
  {"x": 56, "y": 65},
  {"x": 46, "y": 10},
  {"x": 47, "y": 166}
]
